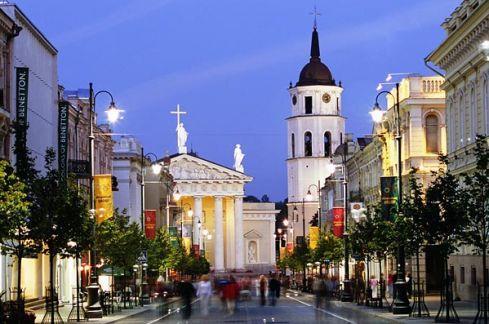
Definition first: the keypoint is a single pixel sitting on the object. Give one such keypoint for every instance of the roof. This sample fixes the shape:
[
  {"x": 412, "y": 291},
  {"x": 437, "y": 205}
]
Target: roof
[
  {"x": 364, "y": 141},
  {"x": 315, "y": 72}
]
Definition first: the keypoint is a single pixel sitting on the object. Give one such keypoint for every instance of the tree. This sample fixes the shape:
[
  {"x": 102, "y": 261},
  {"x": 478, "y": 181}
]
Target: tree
[
  {"x": 265, "y": 198},
  {"x": 476, "y": 211},
  {"x": 329, "y": 248},
  {"x": 15, "y": 223},
  {"x": 58, "y": 215},
  {"x": 444, "y": 222},
  {"x": 158, "y": 250}
]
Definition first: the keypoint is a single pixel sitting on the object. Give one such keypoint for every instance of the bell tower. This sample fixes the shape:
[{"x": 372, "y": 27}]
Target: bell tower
[{"x": 315, "y": 128}]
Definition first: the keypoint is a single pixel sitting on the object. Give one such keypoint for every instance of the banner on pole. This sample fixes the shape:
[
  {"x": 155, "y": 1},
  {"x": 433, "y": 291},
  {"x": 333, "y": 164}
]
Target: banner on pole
[
  {"x": 338, "y": 221},
  {"x": 388, "y": 187},
  {"x": 150, "y": 223},
  {"x": 63, "y": 113},
  {"x": 313, "y": 236},
  {"x": 104, "y": 207},
  {"x": 21, "y": 104}
]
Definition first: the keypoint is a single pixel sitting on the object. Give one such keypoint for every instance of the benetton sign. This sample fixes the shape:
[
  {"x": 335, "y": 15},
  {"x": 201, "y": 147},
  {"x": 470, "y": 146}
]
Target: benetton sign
[
  {"x": 63, "y": 111},
  {"x": 22, "y": 91}
]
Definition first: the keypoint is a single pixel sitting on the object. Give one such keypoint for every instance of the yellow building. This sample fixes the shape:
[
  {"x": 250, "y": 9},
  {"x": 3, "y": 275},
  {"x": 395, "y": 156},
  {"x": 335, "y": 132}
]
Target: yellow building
[{"x": 422, "y": 112}]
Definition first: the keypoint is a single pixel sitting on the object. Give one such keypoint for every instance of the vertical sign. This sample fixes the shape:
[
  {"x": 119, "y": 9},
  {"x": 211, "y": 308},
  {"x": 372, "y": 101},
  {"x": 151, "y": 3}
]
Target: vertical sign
[
  {"x": 150, "y": 223},
  {"x": 63, "y": 110},
  {"x": 388, "y": 188},
  {"x": 338, "y": 221},
  {"x": 103, "y": 197},
  {"x": 173, "y": 231},
  {"x": 313, "y": 236},
  {"x": 22, "y": 91}
]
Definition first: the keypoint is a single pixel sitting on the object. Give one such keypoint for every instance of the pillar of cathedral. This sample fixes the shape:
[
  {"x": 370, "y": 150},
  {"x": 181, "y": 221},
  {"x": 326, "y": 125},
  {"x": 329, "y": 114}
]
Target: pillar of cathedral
[
  {"x": 219, "y": 238},
  {"x": 238, "y": 231},
  {"x": 195, "y": 223}
]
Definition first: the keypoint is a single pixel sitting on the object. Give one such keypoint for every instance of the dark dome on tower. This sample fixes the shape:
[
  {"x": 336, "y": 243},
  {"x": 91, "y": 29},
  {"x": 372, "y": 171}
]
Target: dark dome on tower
[{"x": 315, "y": 72}]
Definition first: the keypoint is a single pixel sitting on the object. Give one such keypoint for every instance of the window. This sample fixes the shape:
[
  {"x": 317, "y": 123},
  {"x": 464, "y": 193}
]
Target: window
[
  {"x": 451, "y": 127},
  {"x": 292, "y": 140},
  {"x": 473, "y": 115},
  {"x": 486, "y": 105},
  {"x": 462, "y": 275},
  {"x": 473, "y": 277},
  {"x": 327, "y": 144},
  {"x": 308, "y": 144},
  {"x": 431, "y": 123},
  {"x": 452, "y": 273},
  {"x": 308, "y": 105},
  {"x": 461, "y": 114}
]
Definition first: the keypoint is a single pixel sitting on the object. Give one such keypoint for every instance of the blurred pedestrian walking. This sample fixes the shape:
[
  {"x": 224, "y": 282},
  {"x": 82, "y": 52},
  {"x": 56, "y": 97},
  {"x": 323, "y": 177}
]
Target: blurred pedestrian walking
[
  {"x": 204, "y": 292},
  {"x": 263, "y": 289},
  {"x": 231, "y": 294},
  {"x": 319, "y": 288},
  {"x": 273, "y": 289},
  {"x": 187, "y": 292}
]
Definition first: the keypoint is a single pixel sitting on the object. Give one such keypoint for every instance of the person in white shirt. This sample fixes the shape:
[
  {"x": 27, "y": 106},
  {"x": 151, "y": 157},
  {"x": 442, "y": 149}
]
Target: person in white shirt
[{"x": 204, "y": 292}]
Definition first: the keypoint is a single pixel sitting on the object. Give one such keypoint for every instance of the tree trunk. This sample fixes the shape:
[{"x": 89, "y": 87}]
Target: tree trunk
[
  {"x": 51, "y": 284},
  {"x": 77, "y": 256},
  {"x": 447, "y": 291},
  {"x": 418, "y": 283},
  {"x": 20, "y": 309},
  {"x": 484, "y": 279}
]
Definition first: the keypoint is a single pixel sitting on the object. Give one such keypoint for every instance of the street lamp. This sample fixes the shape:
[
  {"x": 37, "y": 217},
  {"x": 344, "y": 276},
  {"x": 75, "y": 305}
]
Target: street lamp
[
  {"x": 156, "y": 169},
  {"x": 176, "y": 195},
  {"x": 401, "y": 302},
  {"x": 309, "y": 198},
  {"x": 94, "y": 309}
]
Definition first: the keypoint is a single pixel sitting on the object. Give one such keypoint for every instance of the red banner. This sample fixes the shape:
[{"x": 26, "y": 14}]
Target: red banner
[
  {"x": 150, "y": 224},
  {"x": 338, "y": 221},
  {"x": 196, "y": 250}
]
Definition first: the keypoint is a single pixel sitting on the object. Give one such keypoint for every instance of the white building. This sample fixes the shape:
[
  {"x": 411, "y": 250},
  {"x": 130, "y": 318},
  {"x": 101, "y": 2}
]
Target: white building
[
  {"x": 31, "y": 49},
  {"x": 314, "y": 130},
  {"x": 126, "y": 166},
  {"x": 463, "y": 55}
]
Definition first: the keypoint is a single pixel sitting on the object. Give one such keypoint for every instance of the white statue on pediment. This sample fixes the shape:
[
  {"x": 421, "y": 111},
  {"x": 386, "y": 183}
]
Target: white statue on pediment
[
  {"x": 238, "y": 159},
  {"x": 182, "y": 136}
]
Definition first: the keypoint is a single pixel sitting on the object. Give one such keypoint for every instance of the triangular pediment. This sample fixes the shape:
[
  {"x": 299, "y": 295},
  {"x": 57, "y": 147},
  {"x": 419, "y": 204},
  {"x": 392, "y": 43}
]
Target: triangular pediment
[
  {"x": 253, "y": 234},
  {"x": 189, "y": 167}
]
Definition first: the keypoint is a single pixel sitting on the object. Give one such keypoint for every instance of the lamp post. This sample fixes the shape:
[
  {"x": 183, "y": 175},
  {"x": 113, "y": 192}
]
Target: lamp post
[
  {"x": 401, "y": 302},
  {"x": 309, "y": 198},
  {"x": 303, "y": 243},
  {"x": 94, "y": 309}
]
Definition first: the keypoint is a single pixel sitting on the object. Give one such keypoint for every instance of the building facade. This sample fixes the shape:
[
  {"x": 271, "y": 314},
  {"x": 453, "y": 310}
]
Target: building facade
[
  {"x": 314, "y": 129},
  {"x": 127, "y": 169},
  {"x": 28, "y": 49},
  {"x": 463, "y": 56}
]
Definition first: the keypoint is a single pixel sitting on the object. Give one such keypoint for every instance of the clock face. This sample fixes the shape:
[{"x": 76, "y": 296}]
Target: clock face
[
  {"x": 294, "y": 100},
  {"x": 326, "y": 97}
]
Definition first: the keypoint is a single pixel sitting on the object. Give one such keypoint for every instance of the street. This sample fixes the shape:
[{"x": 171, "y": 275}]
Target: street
[{"x": 290, "y": 309}]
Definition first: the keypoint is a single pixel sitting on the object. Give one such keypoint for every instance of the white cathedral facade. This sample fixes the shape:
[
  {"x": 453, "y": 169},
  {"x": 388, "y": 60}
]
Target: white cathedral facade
[{"x": 315, "y": 129}]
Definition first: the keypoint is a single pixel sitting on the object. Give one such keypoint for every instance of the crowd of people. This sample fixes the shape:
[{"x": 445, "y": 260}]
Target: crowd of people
[{"x": 230, "y": 290}]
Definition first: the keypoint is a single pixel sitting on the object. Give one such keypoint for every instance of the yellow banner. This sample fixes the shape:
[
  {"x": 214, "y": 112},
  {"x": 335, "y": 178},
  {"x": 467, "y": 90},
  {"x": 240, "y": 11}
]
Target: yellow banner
[
  {"x": 104, "y": 206},
  {"x": 313, "y": 236},
  {"x": 283, "y": 252}
]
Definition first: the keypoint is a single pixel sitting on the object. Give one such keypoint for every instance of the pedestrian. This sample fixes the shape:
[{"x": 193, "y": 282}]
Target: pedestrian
[
  {"x": 373, "y": 284},
  {"x": 273, "y": 290},
  {"x": 390, "y": 283},
  {"x": 231, "y": 294},
  {"x": 263, "y": 289},
  {"x": 187, "y": 292},
  {"x": 409, "y": 285},
  {"x": 319, "y": 289},
  {"x": 204, "y": 292}
]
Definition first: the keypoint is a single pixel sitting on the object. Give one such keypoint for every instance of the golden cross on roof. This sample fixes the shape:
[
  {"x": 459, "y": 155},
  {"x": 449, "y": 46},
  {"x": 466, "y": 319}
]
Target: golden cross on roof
[{"x": 316, "y": 13}]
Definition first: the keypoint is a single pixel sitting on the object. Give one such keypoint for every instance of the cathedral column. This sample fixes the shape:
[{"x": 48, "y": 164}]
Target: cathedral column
[
  {"x": 238, "y": 230},
  {"x": 218, "y": 239},
  {"x": 195, "y": 224}
]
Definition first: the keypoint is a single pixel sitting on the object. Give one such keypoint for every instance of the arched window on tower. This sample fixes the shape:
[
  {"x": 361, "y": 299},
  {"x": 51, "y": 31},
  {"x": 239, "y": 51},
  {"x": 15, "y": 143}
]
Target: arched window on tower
[
  {"x": 327, "y": 144},
  {"x": 432, "y": 138},
  {"x": 308, "y": 144},
  {"x": 292, "y": 141}
]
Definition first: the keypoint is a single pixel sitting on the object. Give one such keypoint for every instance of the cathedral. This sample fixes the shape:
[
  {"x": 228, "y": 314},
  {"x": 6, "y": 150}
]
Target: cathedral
[{"x": 315, "y": 128}]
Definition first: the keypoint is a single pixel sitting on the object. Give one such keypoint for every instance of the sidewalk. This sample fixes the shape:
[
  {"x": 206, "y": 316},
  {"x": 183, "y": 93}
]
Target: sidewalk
[
  {"x": 117, "y": 315},
  {"x": 466, "y": 310}
]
